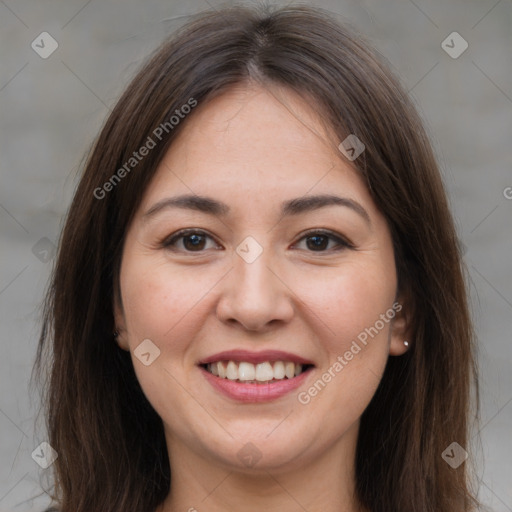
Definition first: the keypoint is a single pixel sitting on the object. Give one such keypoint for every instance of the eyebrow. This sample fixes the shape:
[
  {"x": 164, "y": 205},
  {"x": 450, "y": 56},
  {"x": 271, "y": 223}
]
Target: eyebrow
[{"x": 295, "y": 206}]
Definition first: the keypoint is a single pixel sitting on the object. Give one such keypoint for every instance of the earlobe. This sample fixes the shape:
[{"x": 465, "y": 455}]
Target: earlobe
[
  {"x": 401, "y": 336},
  {"x": 119, "y": 334},
  {"x": 119, "y": 337}
]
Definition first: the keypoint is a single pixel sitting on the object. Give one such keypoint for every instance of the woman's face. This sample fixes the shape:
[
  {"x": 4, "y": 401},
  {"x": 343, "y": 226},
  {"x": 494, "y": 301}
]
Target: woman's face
[{"x": 269, "y": 274}]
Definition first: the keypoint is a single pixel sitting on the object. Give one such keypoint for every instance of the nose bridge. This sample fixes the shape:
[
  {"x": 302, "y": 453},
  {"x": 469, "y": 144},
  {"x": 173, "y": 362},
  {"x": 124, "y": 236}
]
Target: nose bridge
[
  {"x": 252, "y": 269},
  {"x": 253, "y": 295}
]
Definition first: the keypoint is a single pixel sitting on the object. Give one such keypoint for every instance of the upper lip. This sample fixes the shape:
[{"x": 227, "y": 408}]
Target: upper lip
[{"x": 255, "y": 357}]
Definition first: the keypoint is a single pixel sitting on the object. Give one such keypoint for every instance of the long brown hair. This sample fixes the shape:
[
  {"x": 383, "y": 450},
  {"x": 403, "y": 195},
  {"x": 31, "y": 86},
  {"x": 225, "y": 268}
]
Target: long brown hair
[{"x": 110, "y": 441}]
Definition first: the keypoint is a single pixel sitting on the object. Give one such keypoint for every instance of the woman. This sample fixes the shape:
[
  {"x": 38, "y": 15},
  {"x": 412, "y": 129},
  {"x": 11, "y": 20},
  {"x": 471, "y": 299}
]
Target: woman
[{"x": 258, "y": 300}]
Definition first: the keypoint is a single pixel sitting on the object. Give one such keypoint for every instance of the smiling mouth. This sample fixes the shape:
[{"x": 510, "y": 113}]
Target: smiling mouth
[{"x": 260, "y": 373}]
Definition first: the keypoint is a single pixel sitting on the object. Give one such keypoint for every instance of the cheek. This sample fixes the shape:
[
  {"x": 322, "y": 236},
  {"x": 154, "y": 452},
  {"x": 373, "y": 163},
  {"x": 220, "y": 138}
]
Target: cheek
[
  {"x": 347, "y": 300},
  {"x": 163, "y": 303},
  {"x": 345, "y": 308},
  {"x": 158, "y": 297},
  {"x": 355, "y": 338}
]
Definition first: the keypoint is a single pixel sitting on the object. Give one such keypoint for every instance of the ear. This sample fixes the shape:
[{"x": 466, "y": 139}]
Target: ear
[
  {"x": 401, "y": 327},
  {"x": 119, "y": 320}
]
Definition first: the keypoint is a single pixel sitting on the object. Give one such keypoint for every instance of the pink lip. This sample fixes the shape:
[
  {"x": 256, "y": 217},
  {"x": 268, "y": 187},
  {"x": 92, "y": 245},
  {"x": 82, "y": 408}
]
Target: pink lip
[
  {"x": 255, "y": 357},
  {"x": 254, "y": 392}
]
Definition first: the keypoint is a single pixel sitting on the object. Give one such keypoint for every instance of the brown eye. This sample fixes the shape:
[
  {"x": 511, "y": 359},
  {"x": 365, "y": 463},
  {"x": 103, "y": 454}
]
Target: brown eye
[
  {"x": 194, "y": 242},
  {"x": 191, "y": 241},
  {"x": 318, "y": 241}
]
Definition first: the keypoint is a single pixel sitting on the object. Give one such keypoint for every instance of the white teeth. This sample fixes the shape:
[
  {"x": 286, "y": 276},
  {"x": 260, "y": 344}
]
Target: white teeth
[
  {"x": 279, "y": 370},
  {"x": 254, "y": 373},
  {"x": 289, "y": 370},
  {"x": 232, "y": 371},
  {"x": 246, "y": 371},
  {"x": 221, "y": 369},
  {"x": 264, "y": 372}
]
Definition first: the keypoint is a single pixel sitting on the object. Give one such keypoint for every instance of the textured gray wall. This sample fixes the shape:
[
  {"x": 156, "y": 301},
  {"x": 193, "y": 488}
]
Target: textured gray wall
[{"x": 51, "y": 108}]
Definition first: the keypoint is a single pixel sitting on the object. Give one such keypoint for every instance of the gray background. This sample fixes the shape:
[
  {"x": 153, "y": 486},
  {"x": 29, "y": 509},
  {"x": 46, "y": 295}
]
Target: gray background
[{"x": 52, "y": 108}]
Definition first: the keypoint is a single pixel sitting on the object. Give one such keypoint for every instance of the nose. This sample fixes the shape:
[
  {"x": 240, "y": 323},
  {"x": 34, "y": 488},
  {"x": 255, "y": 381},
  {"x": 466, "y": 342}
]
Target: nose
[{"x": 254, "y": 296}]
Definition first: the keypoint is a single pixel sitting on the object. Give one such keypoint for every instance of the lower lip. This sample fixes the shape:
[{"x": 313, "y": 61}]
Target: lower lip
[{"x": 255, "y": 392}]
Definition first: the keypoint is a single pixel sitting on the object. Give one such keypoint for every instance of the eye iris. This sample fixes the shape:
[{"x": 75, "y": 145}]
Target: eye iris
[
  {"x": 321, "y": 242},
  {"x": 197, "y": 241}
]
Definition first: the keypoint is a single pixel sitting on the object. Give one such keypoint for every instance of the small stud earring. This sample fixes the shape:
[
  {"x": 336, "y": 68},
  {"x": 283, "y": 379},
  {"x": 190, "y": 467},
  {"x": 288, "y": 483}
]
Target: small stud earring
[
  {"x": 116, "y": 334},
  {"x": 406, "y": 343}
]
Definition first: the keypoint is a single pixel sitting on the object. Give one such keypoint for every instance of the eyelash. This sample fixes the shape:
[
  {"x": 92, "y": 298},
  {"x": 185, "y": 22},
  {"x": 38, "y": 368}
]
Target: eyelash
[{"x": 170, "y": 241}]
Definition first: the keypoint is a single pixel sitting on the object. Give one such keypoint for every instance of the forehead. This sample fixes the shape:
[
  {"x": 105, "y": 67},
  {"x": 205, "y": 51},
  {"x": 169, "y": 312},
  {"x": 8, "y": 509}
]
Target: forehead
[{"x": 253, "y": 144}]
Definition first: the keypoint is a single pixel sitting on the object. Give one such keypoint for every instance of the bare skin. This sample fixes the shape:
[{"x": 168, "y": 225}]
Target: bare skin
[{"x": 252, "y": 151}]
